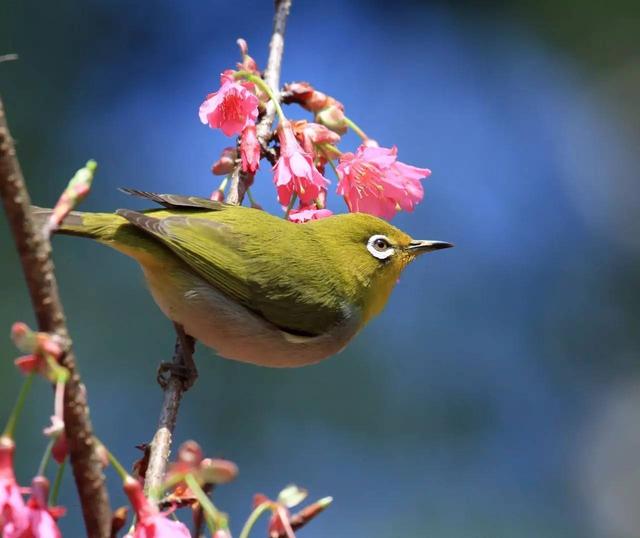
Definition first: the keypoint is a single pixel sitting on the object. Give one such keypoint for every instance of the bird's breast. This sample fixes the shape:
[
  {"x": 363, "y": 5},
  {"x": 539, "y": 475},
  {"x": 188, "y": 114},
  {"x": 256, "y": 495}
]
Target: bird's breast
[{"x": 235, "y": 332}]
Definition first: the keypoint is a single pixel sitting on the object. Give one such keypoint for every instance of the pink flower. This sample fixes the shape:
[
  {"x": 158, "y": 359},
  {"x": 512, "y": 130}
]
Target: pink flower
[
  {"x": 41, "y": 517},
  {"x": 304, "y": 214},
  {"x": 373, "y": 181},
  {"x": 250, "y": 150},
  {"x": 14, "y": 516},
  {"x": 151, "y": 523},
  {"x": 232, "y": 107},
  {"x": 294, "y": 172}
]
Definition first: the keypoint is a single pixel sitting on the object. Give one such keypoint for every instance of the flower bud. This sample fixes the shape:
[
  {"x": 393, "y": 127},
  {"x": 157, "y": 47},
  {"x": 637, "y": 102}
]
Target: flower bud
[
  {"x": 217, "y": 471},
  {"x": 333, "y": 118},
  {"x": 23, "y": 337},
  {"x": 306, "y": 96},
  {"x": 250, "y": 150},
  {"x": 297, "y": 92},
  {"x": 217, "y": 196},
  {"x": 224, "y": 165},
  {"x": 60, "y": 449},
  {"x": 248, "y": 63},
  {"x": 119, "y": 519},
  {"x": 190, "y": 453}
]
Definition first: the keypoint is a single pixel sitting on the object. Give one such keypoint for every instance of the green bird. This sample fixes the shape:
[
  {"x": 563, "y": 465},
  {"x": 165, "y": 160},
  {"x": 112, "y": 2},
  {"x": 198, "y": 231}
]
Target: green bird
[{"x": 254, "y": 287}]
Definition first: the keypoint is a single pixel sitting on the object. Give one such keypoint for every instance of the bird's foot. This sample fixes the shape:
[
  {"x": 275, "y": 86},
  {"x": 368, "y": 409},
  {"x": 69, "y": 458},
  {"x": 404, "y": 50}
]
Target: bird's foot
[
  {"x": 183, "y": 367},
  {"x": 187, "y": 374}
]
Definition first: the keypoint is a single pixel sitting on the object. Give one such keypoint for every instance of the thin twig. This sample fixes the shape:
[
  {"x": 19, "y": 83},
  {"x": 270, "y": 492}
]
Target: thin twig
[
  {"x": 35, "y": 255},
  {"x": 272, "y": 78},
  {"x": 304, "y": 516},
  {"x": 160, "y": 446}
]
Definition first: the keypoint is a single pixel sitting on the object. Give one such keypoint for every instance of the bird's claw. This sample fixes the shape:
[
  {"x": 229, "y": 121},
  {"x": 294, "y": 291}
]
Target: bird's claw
[{"x": 186, "y": 374}]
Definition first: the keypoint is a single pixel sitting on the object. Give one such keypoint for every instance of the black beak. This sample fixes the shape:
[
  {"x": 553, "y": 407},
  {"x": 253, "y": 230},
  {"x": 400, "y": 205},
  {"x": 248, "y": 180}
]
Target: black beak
[{"x": 420, "y": 247}]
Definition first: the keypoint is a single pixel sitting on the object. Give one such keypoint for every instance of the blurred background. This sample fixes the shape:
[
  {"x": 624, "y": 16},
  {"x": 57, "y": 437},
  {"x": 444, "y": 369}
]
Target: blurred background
[{"x": 499, "y": 393}]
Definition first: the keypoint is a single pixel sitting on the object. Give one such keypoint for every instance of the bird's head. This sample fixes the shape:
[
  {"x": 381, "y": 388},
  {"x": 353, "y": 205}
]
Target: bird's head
[{"x": 370, "y": 254}]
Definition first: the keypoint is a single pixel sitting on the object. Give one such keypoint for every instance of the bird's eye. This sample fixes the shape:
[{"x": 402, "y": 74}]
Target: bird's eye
[
  {"x": 380, "y": 244},
  {"x": 380, "y": 247}
]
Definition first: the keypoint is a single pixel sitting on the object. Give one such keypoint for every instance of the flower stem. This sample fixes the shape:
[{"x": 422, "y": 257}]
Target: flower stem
[
  {"x": 46, "y": 457},
  {"x": 57, "y": 482},
  {"x": 294, "y": 197},
  {"x": 259, "y": 510},
  {"x": 17, "y": 408},
  {"x": 354, "y": 127},
  {"x": 265, "y": 88},
  {"x": 329, "y": 159},
  {"x": 212, "y": 515},
  {"x": 116, "y": 464}
]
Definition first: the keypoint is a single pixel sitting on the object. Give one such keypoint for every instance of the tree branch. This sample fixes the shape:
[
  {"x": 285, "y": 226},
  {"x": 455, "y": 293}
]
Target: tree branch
[
  {"x": 160, "y": 446},
  {"x": 35, "y": 255},
  {"x": 239, "y": 180}
]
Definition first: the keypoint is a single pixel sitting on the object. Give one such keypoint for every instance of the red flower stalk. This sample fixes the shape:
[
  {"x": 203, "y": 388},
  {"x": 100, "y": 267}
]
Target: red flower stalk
[
  {"x": 151, "y": 523},
  {"x": 41, "y": 517},
  {"x": 14, "y": 516}
]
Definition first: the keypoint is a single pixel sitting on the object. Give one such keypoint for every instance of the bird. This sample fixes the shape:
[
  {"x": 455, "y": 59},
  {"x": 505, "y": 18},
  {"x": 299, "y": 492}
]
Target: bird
[{"x": 254, "y": 287}]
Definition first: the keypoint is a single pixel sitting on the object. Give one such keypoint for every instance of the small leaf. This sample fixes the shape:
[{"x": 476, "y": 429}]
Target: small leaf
[{"x": 292, "y": 495}]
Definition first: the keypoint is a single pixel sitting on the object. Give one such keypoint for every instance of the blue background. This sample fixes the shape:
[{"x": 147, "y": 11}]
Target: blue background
[{"x": 498, "y": 393}]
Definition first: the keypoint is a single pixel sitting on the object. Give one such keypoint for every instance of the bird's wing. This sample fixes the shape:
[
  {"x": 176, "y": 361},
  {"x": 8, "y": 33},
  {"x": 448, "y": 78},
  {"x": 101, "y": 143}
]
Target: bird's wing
[
  {"x": 207, "y": 246},
  {"x": 231, "y": 262},
  {"x": 171, "y": 201}
]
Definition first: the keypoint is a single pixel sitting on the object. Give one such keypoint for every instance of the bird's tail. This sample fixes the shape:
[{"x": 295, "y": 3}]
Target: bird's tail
[{"x": 102, "y": 227}]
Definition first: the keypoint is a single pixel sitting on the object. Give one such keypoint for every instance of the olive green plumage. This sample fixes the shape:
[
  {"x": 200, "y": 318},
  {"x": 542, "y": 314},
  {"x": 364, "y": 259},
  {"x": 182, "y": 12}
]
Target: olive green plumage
[{"x": 301, "y": 280}]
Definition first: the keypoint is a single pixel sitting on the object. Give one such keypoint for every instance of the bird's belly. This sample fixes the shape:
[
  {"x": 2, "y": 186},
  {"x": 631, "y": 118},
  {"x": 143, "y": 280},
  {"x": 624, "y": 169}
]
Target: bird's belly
[{"x": 235, "y": 332}]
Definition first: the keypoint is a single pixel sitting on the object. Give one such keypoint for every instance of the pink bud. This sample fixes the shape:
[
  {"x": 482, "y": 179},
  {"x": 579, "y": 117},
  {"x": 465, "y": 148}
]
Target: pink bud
[
  {"x": 250, "y": 150},
  {"x": 217, "y": 471},
  {"x": 224, "y": 165},
  {"x": 217, "y": 196},
  {"x": 190, "y": 453},
  {"x": 333, "y": 118},
  {"x": 60, "y": 449},
  {"x": 306, "y": 96}
]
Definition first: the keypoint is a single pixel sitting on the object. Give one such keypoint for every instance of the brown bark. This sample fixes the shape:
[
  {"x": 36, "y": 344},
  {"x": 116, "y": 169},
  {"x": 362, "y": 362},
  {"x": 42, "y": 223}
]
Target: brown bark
[{"x": 34, "y": 250}]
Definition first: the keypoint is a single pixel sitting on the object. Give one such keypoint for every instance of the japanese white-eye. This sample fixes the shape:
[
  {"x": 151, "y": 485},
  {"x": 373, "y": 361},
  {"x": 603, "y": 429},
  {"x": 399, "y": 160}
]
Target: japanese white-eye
[{"x": 254, "y": 287}]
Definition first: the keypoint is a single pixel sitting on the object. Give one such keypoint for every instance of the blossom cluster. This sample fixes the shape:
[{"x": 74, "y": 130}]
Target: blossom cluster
[
  {"x": 371, "y": 179},
  {"x": 189, "y": 482}
]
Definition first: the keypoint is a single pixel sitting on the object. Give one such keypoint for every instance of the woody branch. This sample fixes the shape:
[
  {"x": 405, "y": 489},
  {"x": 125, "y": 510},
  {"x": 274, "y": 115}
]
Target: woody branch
[
  {"x": 239, "y": 179},
  {"x": 34, "y": 250},
  {"x": 160, "y": 447}
]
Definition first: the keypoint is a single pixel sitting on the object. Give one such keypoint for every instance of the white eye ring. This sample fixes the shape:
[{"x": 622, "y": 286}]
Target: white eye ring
[{"x": 380, "y": 247}]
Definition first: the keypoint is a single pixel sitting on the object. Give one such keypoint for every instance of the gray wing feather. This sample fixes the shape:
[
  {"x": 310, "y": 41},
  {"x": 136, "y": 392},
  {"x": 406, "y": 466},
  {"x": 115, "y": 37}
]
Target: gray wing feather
[{"x": 175, "y": 200}]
